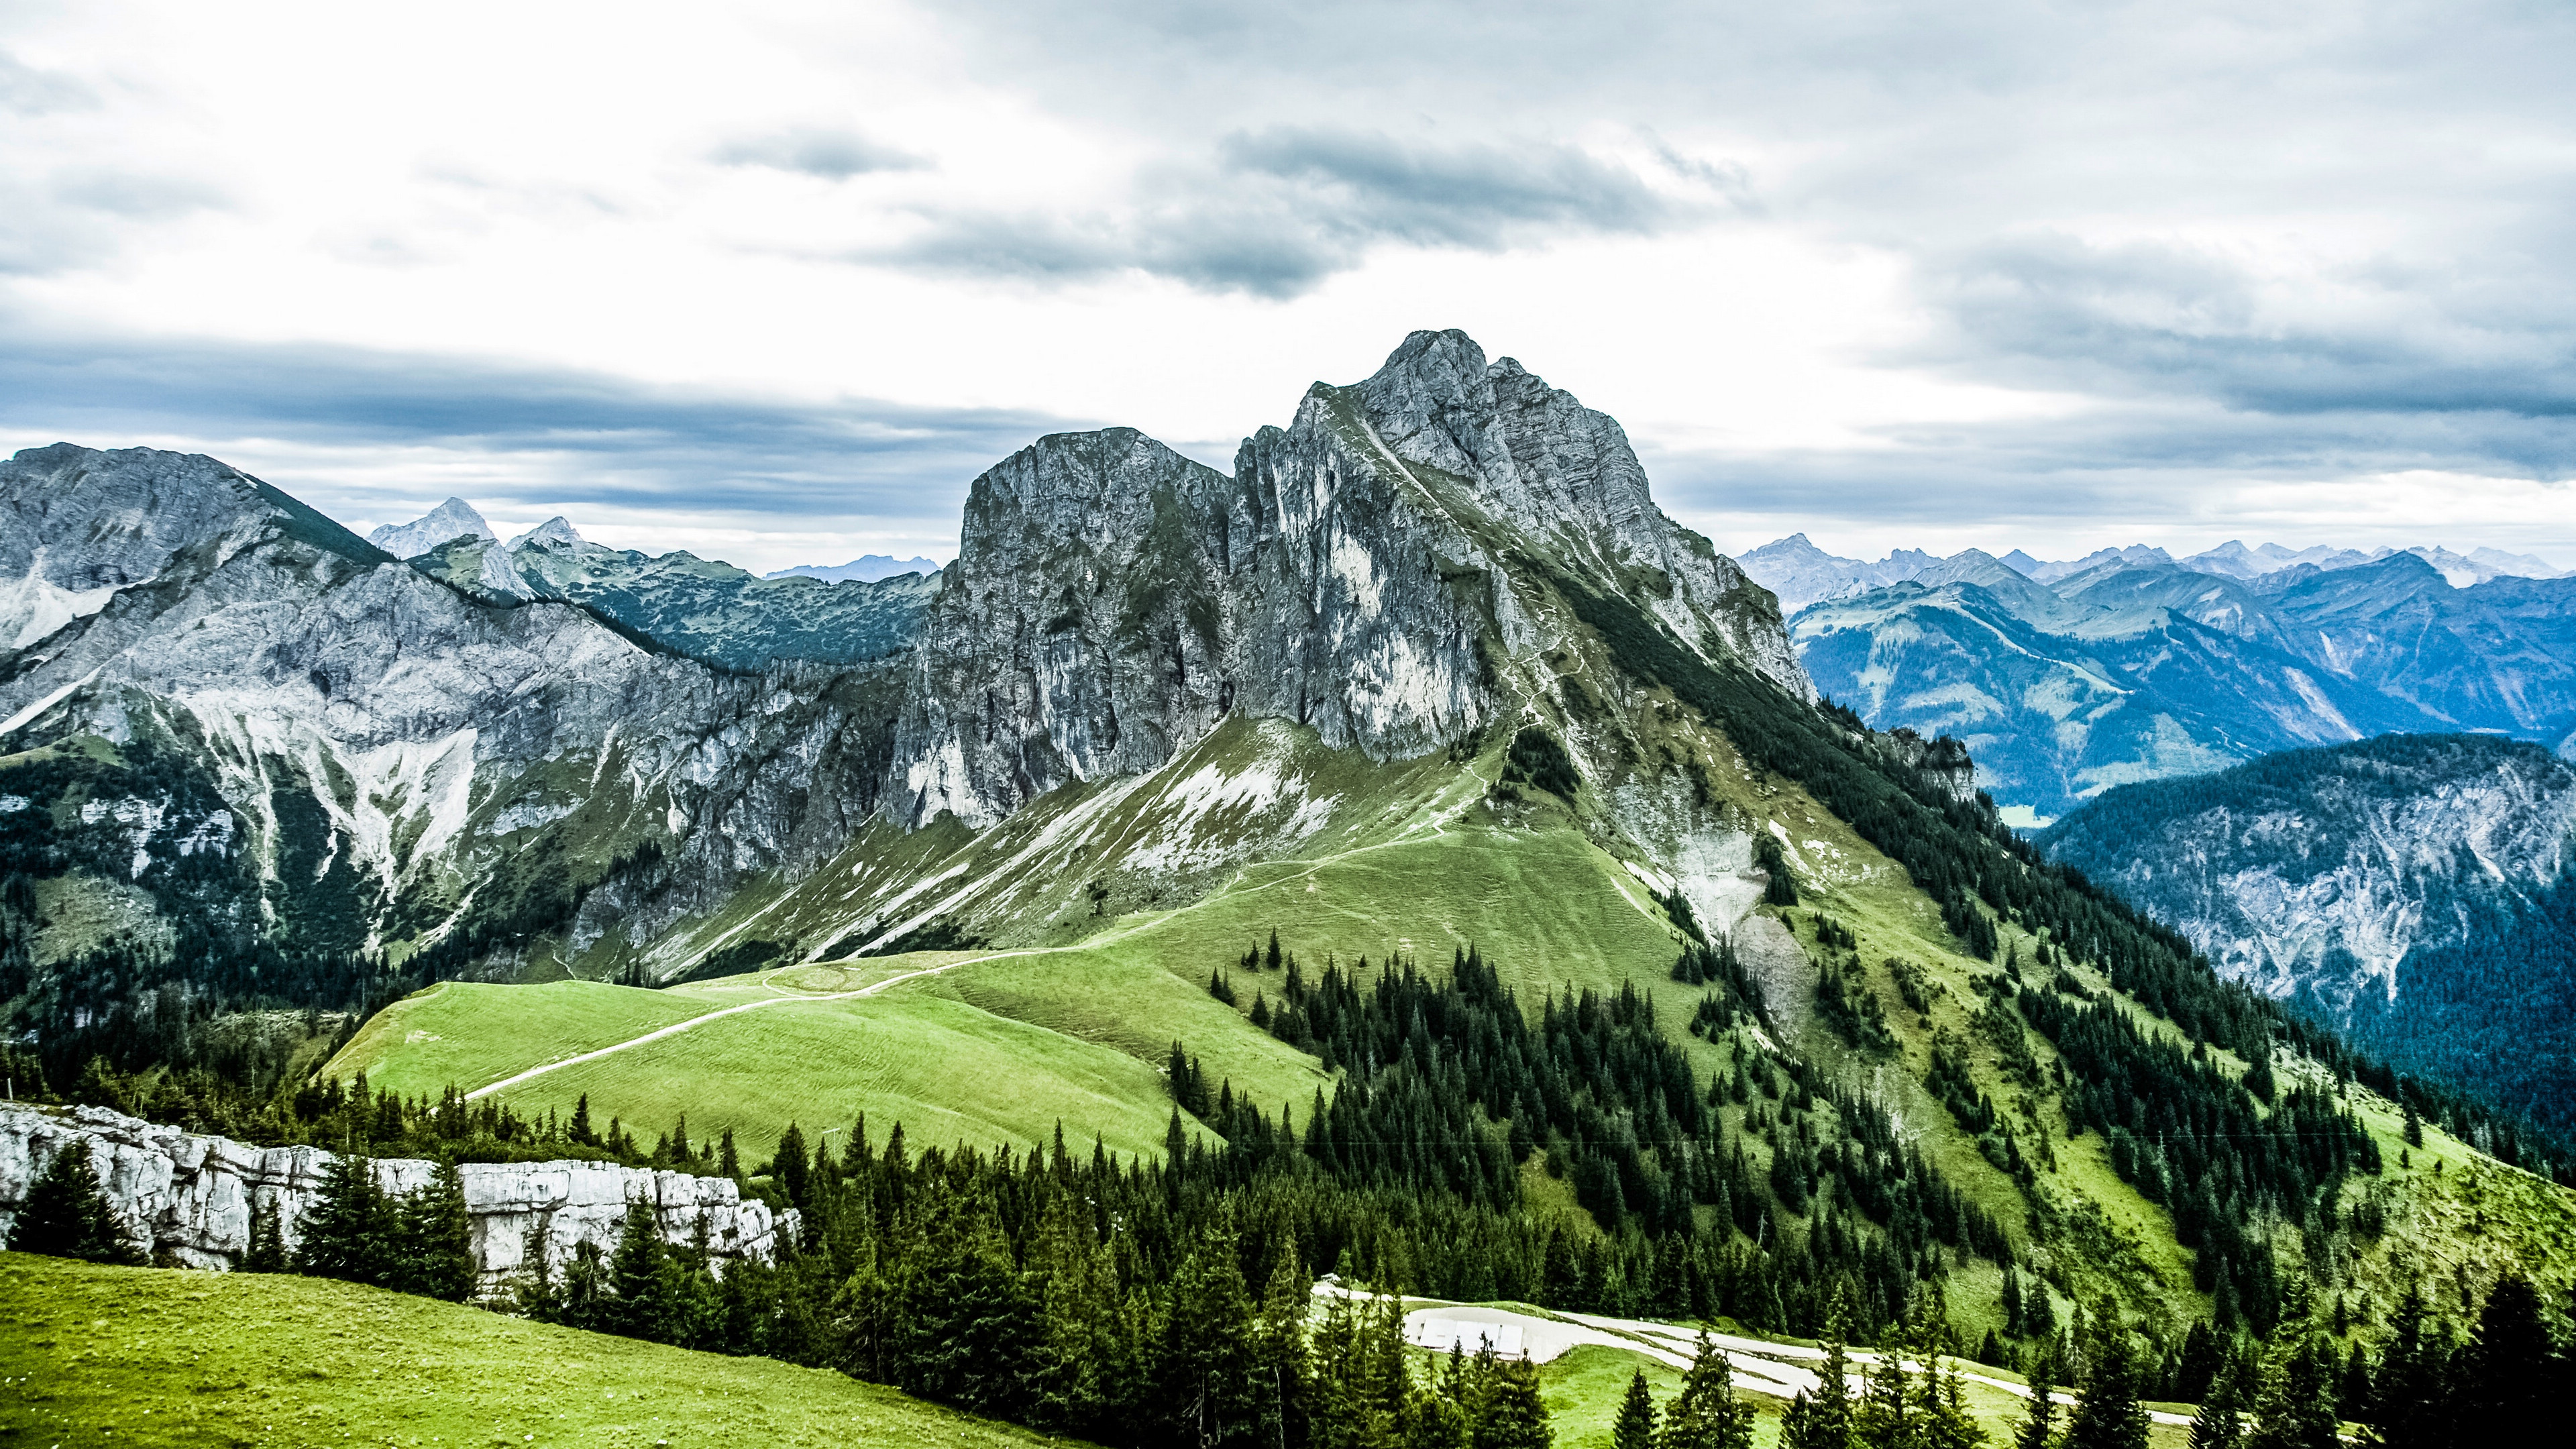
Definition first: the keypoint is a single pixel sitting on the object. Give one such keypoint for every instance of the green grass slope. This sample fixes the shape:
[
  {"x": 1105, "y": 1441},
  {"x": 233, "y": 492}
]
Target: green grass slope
[
  {"x": 152, "y": 1356},
  {"x": 993, "y": 1046}
]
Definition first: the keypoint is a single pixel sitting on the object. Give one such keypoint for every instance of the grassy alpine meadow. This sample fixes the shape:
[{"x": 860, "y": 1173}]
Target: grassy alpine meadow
[
  {"x": 147, "y": 1356},
  {"x": 948, "y": 1070},
  {"x": 986, "y": 1047}
]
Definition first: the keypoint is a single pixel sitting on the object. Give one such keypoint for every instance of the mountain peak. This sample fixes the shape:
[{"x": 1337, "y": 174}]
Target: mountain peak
[
  {"x": 449, "y": 521},
  {"x": 557, "y": 529}
]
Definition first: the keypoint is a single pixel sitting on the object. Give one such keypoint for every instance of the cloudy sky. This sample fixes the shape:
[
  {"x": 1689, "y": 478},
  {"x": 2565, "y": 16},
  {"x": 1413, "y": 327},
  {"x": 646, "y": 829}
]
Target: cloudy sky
[{"x": 774, "y": 282}]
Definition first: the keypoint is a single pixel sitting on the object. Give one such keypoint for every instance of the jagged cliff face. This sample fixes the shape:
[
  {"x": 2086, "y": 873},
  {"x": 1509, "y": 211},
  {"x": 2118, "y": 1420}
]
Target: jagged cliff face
[
  {"x": 1363, "y": 573},
  {"x": 382, "y": 740}
]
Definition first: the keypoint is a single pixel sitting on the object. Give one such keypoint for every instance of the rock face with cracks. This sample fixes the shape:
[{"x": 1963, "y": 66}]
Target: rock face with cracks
[
  {"x": 1364, "y": 572},
  {"x": 188, "y": 1198}
]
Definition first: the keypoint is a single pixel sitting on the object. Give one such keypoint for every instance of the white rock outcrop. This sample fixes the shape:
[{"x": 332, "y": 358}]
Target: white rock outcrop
[{"x": 188, "y": 1198}]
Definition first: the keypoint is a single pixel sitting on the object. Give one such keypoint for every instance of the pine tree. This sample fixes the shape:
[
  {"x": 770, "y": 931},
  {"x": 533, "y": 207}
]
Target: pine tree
[
  {"x": 2108, "y": 1414},
  {"x": 66, "y": 1215},
  {"x": 434, "y": 1239},
  {"x": 580, "y": 1130},
  {"x": 1514, "y": 1416},
  {"x": 728, "y": 1160},
  {"x": 2039, "y": 1417},
  {"x": 1634, "y": 1428},
  {"x": 349, "y": 1232},
  {"x": 267, "y": 1250},
  {"x": 1706, "y": 1414}
]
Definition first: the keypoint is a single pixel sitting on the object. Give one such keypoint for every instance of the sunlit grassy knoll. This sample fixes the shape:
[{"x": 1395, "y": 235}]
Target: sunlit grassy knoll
[
  {"x": 146, "y": 1356},
  {"x": 466, "y": 1034}
]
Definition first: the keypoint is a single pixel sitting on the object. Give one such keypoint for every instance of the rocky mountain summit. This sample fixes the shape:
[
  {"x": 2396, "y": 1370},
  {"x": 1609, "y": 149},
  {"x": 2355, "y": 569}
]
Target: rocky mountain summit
[
  {"x": 546, "y": 755},
  {"x": 188, "y": 1199},
  {"x": 449, "y": 521},
  {"x": 2419, "y": 891},
  {"x": 1358, "y": 574}
]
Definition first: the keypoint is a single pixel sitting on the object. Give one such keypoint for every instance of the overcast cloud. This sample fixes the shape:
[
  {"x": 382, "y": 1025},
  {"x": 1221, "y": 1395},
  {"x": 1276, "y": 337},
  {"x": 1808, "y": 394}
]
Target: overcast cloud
[{"x": 779, "y": 280}]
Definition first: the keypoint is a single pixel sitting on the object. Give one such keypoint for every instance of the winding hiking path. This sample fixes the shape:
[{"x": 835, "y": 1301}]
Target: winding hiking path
[{"x": 677, "y": 1027}]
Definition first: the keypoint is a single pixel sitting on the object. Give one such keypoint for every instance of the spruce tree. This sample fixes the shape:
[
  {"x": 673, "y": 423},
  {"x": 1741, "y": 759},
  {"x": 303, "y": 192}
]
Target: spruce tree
[
  {"x": 2411, "y": 1399},
  {"x": 788, "y": 1168},
  {"x": 640, "y": 1291},
  {"x": 349, "y": 1232},
  {"x": 534, "y": 1293},
  {"x": 580, "y": 1130},
  {"x": 2220, "y": 1424},
  {"x": 1634, "y": 1428},
  {"x": 1706, "y": 1414},
  {"x": 2108, "y": 1414},
  {"x": 1823, "y": 1420},
  {"x": 1204, "y": 1363},
  {"x": 2509, "y": 1376},
  {"x": 1889, "y": 1413},
  {"x": 2039, "y": 1417},
  {"x": 267, "y": 1250},
  {"x": 728, "y": 1161},
  {"x": 1514, "y": 1416},
  {"x": 66, "y": 1215},
  {"x": 433, "y": 1239}
]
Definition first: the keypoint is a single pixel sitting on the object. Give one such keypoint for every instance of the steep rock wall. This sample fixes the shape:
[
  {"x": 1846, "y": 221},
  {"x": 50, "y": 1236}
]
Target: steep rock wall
[
  {"x": 1361, "y": 573},
  {"x": 189, "y": 1197}
]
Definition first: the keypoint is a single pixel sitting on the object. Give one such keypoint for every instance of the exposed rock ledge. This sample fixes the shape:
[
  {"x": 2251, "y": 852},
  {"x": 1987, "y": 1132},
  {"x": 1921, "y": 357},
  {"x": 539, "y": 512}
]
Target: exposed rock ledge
[{"x": 187, "y": 1198}]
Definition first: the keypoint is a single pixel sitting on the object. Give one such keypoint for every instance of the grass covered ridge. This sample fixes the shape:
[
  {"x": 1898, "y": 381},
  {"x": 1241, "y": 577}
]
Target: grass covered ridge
[{"x": 167, "y": 1356}]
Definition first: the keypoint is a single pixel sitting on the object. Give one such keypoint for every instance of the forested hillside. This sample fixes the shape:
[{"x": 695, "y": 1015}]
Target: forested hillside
[{"x": 2412, "y": 891}]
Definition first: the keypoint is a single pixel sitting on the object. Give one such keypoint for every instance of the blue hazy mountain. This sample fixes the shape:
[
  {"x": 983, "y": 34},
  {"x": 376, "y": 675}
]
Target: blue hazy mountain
[{"x": 2066, "y": 680}]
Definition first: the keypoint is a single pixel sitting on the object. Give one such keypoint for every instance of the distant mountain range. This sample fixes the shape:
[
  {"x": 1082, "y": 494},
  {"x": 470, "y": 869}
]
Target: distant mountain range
[
  {"x": 703, "y": 608},
  {"x": 1799, "y": 573},
  {"x": 867, "y": 568},
  {"x": 2066, "y": 679}
]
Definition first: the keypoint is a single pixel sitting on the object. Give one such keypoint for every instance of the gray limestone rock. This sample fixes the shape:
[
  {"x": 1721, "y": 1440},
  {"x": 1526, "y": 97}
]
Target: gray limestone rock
[
  {"x": 1361, "y": 573},
  {"x": 188, "y": 1198}
]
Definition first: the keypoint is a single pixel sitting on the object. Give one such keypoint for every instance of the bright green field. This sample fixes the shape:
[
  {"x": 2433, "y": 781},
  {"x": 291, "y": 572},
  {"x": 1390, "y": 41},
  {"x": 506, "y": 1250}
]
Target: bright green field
[
  {"x": 1000, "y": 1046},
  {"x": 152, "y": 1356},
  {"x": 948, "y": 1070}
]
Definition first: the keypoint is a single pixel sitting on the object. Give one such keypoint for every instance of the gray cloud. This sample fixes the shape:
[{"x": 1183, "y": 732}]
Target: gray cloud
[
  {"x": 2418, "y": 369},
  {"x": 1275, "y": 211},
  {"x": 611, "y": 442},
  {"x": 833, "y": 155},
  {"x": 28, "y": 91}
]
